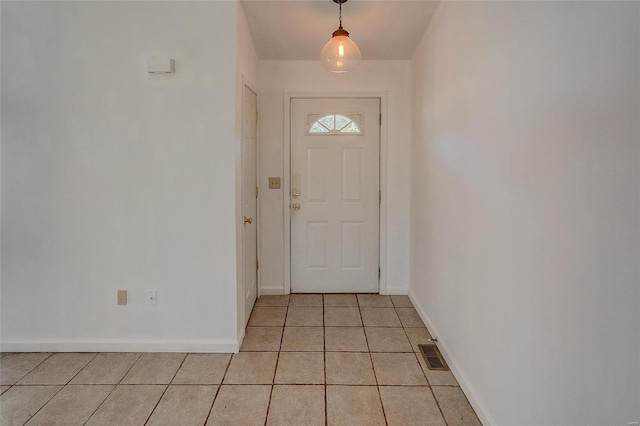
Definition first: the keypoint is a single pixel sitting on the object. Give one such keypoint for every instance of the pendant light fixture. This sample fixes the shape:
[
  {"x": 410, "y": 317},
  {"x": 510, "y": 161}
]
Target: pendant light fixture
[{"x": 340, "y": 54}]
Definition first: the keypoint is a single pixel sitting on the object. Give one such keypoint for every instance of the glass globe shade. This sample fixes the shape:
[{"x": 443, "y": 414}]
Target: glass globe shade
[{"x": 340, "y": 54}]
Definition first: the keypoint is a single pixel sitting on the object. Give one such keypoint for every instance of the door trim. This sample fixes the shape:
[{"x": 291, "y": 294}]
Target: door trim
[{"x": 288, "y": 96}]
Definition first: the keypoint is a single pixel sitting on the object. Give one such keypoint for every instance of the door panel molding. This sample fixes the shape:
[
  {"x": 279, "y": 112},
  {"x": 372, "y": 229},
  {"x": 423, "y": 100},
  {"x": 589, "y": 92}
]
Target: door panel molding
[{"x": 382, "y": 96}]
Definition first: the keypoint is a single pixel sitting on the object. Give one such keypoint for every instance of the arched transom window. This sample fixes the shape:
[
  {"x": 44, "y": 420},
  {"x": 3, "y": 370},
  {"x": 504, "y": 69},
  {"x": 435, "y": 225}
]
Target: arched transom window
[{"x": 335, "y": 124}]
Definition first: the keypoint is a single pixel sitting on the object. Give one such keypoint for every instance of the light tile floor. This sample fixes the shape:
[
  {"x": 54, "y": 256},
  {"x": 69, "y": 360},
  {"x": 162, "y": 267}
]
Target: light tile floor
[{"x": 306, "y": 360}]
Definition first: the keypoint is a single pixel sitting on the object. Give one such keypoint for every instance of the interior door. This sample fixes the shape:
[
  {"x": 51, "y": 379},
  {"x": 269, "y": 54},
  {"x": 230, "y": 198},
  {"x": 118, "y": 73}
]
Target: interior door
[
  {"x": 335, "y": 220},
  {"x": 249, "y": 195}
]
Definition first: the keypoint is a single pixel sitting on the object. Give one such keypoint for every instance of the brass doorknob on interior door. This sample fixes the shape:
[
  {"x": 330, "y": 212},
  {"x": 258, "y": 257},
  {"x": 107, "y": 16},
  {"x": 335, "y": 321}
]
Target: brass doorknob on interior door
[
  {"x": 248, "y": 220},
  {"x": 296, "y": 206}
]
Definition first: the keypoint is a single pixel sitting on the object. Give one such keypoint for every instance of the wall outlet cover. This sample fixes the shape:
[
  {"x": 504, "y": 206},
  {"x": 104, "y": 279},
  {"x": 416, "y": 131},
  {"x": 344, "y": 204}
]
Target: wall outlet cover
[{"x": 122, "y": 297}]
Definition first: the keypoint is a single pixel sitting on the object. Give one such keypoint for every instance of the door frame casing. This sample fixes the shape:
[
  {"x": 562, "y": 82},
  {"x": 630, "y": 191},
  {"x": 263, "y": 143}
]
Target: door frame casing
[{"x": 288, "y": 96}]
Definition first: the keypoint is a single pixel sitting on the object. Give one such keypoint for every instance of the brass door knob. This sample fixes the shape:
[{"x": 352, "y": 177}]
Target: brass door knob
[
  {"x": 248, "y": 220},
  {"x": 296, "y": 206}
]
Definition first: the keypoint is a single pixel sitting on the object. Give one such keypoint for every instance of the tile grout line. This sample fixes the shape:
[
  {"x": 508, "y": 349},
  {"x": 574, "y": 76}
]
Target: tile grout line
[
  {"x": 52, "y": 396},
  {"x": 140, "y": 355},
  {"x": 166, "y": 388},
  {"x": 324, "y": 361},
  {"x": 434, "y": 396},
  {"x": 85, "y": 366},
  {"x": 384, "y": 414},
  {"x": 114, "y": 388},
  {"x": 62, "y": 387},
  {"x": 420, "y": 365},
  {"x": 36, "y": 366},
  {"x": 219, "y": 388},
  {"x": 423, "y": 372},
  {"x": 48, "y": 401},
  {"x": 96, "y": 355},
  {"x": 364, "y": 331},
  {"x": 273, "y": 380}
]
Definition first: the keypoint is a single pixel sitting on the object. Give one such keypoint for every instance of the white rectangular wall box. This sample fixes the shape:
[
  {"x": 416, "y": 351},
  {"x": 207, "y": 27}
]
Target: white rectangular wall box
[
  {"x": 152, "y": 298},
  {"x": 160, "y": 66}
]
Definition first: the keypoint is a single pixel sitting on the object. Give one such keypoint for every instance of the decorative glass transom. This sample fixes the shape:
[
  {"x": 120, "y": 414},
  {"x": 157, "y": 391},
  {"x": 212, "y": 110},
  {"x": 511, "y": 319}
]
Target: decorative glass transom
[{"x": 334, "y": 124}]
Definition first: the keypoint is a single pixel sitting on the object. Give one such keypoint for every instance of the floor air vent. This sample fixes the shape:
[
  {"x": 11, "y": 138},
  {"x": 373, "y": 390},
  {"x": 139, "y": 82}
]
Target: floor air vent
[{"x": 433, "y": 357}]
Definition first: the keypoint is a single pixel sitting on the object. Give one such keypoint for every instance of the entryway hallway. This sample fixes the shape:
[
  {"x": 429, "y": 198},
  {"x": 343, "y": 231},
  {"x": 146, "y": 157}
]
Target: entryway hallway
[{"x": 306, "y": 359}]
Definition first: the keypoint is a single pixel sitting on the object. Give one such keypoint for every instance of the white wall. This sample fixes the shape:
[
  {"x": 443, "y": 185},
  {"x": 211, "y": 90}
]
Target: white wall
[
  {"x": 525, "y": 206},
  {"x": 308, "y": 77},
  {"x": 116, "y": 179},
  {"x": 247, "y": 73}
]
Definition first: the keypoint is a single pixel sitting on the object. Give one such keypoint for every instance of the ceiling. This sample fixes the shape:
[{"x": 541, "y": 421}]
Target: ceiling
[{"x": 297, "y": 29}]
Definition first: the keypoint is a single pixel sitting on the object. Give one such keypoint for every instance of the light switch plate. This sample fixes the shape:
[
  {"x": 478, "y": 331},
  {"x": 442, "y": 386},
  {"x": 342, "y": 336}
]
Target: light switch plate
[
  {"x": 158, "y": 65},
  {"x": 274, "y": 183}
]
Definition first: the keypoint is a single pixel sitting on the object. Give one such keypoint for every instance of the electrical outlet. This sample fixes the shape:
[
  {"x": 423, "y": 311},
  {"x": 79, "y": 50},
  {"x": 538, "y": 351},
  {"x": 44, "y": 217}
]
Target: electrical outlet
[
  {"x": 151, "y": 298},
  {"x": 122, "y": 297}
]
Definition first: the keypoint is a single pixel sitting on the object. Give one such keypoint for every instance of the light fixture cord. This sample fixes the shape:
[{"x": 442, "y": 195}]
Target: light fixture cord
[{"x": 340, "y": 15}]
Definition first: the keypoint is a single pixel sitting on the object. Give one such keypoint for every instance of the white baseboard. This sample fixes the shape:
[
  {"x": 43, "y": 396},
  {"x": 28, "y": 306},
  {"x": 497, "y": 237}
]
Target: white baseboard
[
  {"x": 397, "y": 290},
  {"x": 269, "y": 291},
  {"x": 192, "y": 346},
  {"x": 241, "y": 334},
  {"x": 457, "y": 371}
]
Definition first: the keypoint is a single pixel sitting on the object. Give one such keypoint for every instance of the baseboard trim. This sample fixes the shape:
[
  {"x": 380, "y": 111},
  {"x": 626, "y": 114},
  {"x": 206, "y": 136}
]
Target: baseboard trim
[
  {"x": 400, "y": 290},
  {"x": 192, "y": 346},
  {"x": 270, "y": 291},
  {"x": 471, "y": 394},
  {"x": 241, "y": 334}
]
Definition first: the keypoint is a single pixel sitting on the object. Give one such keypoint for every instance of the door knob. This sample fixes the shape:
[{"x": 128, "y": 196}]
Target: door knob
[
  {"x": 296, "y": 206},
  {"x": 248, "y": 220}
]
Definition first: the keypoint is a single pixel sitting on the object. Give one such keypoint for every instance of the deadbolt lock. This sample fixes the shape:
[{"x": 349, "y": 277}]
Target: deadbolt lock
[
  {"x": 296, "y": 206},
  {"x": 296, "y": 193}
]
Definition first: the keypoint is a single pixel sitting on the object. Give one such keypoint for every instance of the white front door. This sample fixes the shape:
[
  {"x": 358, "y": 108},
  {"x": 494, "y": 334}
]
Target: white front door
[
  {"x": 249, "y": 194},
  {"x": 335, "y": 221}
]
